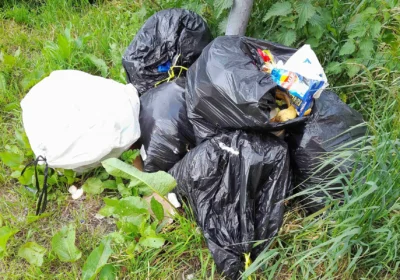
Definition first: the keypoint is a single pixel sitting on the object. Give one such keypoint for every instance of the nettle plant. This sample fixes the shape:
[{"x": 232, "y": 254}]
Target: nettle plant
[
  {"x": 139, "y": 221},
  {"x": 346, "y": 37}
]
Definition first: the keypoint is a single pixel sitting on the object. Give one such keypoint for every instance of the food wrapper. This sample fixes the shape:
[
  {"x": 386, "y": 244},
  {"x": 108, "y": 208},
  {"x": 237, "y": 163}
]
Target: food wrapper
[{"x": 302, "y": 76}]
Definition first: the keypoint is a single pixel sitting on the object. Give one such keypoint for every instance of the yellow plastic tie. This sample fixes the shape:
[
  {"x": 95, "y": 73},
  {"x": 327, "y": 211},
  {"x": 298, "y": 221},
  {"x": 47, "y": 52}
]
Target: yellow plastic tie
[
  {"x": 247, "y": 263},
  {"x": 171, "y": 72}
]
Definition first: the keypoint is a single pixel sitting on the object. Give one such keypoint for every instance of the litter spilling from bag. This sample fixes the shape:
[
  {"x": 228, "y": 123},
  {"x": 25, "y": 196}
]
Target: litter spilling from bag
[
  {"x": 236, "y": 184},
  {"x": 302, "y": 76},
  {"x": 169, "y": 38},
  {"x": 250, "y": 124},
  {"x": 227, "y": 90},
  {"x": 167, "y": 134}
]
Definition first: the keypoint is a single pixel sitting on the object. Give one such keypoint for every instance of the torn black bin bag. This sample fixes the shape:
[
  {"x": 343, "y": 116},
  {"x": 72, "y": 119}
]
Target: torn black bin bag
[
  {"x": 328, "y": 128},
  {"x": 166, "y": 133},
  {"x": 226, "y": 90},
  {"x": 163, "y": 37},
  {"x": 236, "y": 184}
]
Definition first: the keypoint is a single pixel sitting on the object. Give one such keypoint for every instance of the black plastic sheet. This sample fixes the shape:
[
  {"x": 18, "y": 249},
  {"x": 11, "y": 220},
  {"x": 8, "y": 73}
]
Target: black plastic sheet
[
  {"x": 163, "y": 37},
  {"x": 166, "y": 133},
  {"x": 227, "y": 90},
  {"x": 236, "y": 184},
  {"x": 331, "y": 125}
]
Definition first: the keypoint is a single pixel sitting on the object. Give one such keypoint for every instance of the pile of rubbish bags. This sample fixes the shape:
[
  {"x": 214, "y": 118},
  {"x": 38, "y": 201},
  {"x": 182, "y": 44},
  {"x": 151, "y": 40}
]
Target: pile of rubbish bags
[{"x": 239, "y": 122}]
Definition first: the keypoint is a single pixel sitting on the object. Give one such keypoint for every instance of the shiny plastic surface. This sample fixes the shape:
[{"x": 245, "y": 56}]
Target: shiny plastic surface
[
  {"x": 167, "y": 134},
  {"x": 163, "y": 36},
  {"x": 227, "y": 90},
  {"x": 326, "y": 130},
  {"x": 236, "y": 184}
]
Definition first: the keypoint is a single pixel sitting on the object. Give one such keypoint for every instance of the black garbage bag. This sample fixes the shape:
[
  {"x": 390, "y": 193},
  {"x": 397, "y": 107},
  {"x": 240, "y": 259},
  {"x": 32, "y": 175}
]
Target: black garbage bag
[
  {"x": 226, "y": 90},
  {"x": 166, "y": 133},
  {"x": 236, "y": 184},
  {"x": 165, "y": 36},
  {"x": 328, "y": 128}
]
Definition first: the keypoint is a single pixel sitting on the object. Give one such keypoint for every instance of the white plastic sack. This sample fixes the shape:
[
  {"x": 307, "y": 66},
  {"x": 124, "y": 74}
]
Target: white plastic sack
[
  {"x": 76, "y": 120},
  {"x": 305, "y": 62}
]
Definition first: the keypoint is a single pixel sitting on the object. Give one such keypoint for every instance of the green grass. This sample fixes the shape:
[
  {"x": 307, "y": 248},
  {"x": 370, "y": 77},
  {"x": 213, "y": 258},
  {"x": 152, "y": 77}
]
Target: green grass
[{"x": 357, "y": 240}]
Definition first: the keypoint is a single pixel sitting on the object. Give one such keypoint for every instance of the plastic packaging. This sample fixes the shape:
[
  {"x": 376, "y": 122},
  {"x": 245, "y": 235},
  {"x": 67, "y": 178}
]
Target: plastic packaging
[
  {"x": 163, "y": 37},
  {"x": 302, "y": 76},
  {"x": 328, "y": 128},
  {"x": 236, "y": 184},
  {"x": 167, "y": 134},
  {"x": 76, "y": 120},
  {"x": 226, "y": 89}
]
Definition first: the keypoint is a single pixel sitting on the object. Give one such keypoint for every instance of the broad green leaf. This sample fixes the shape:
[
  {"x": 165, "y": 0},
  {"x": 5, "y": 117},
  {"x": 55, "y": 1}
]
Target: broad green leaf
[
  {"x": 103, "y": 175},
  {"x": 15, "y": 174},
  {"x": 148, "y": 230},
  {"x": 107, "y": 210},
  {"x": 352, "y": 68},
  {"x": 222, "y": 25},
  {"x": 27, "y": 178},
  {"x": 132, "y": 224},
  {"x": 32, "y": 252},
  {"x": 159, "y": 182},
  {"x": 108, "y": 272},
  {"x": 375, "y": 29},
  {"x": 110, "y": 185},
  {"x": 70, "y": 175},
  {"x": 278, "y": 9},
  {"x": 153, "y": 242},
  {"x": 317, "y": 31},
  {"x": 130, "y": 155},
  {"x": 221, "y": 5},
  {"x": 131, "y": 211},
  {"x": 334, "y": 67},
  {"x": 124, "y": 191},
  {"x": 93, "y": 186},
  {"x": 5, "y": 234},
  {"x": 370, "y": 11},
  {"x": 366, "y": 48},
  {"x": 157, "y": 209},
  {"x": 348, "y": 48},
  {"x": 358, "y": 31},
  {"x": 63, "y": 244},
  {"x": 287, "y": 38},
  {"x": 358, "y": 26},
  {"x": 99, "y": 63},
  {"x": 313, "y": 42},
  {"x": 64, "y": 47},
  {"x": 288, "y": 22},
  {"x": 129, "y": 206},
  {"x": 320, "y": 20},
  {"x": 305, "y": 11},
  {"x": 11, "y": 159},
  {"x": 53, "y": 179},
  {"x": 97, "y": 259},
  {"x": 1, "y": 220}
]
